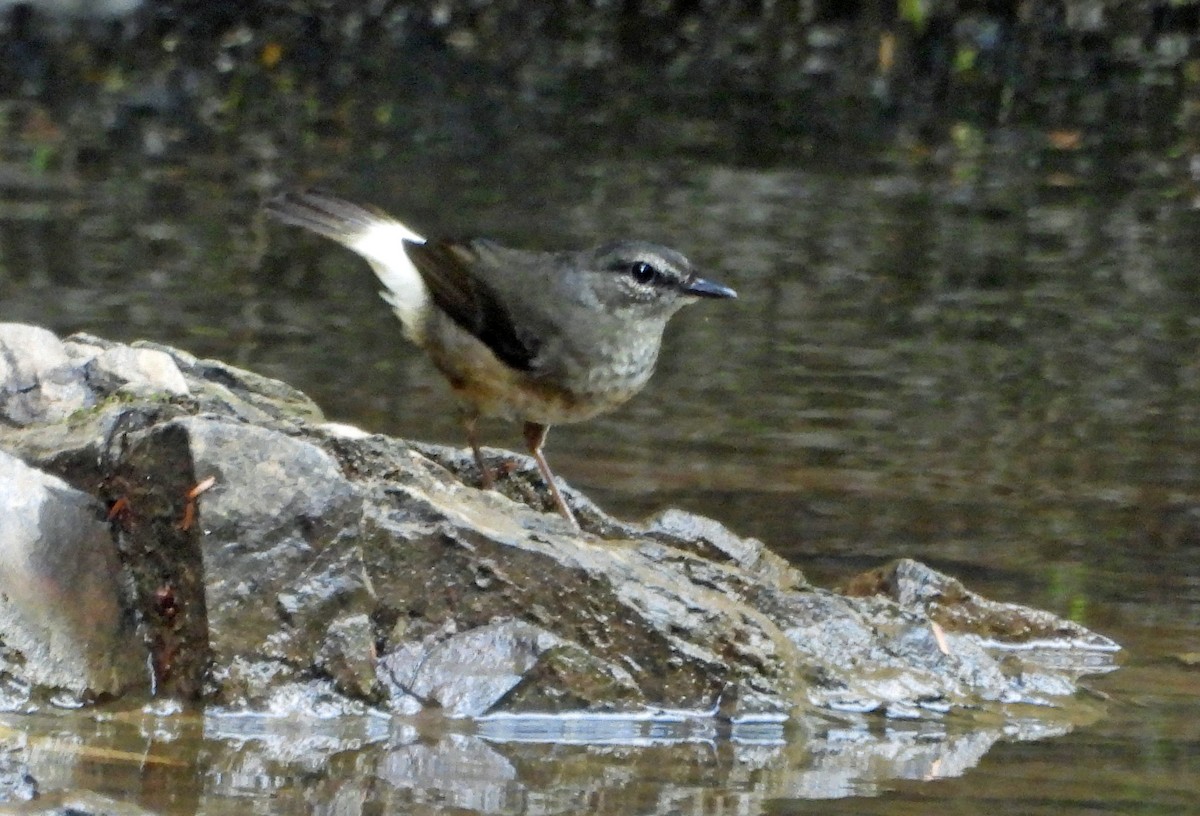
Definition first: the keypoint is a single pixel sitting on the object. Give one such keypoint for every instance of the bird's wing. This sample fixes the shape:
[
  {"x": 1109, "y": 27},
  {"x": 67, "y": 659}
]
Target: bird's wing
[{"x": 455, "y": 274}]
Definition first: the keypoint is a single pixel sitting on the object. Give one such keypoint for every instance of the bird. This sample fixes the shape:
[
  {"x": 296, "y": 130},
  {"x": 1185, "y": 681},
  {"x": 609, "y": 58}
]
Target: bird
[{"x": 540, "y": 337}]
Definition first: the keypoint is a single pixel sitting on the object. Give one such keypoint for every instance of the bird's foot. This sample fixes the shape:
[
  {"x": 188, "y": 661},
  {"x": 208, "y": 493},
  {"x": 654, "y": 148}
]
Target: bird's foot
[{"x": 490, "y": 475}]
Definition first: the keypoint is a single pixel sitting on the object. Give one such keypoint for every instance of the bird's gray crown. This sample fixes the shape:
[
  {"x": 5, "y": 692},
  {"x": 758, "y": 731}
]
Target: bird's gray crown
[{"x": 629, "y": 256}]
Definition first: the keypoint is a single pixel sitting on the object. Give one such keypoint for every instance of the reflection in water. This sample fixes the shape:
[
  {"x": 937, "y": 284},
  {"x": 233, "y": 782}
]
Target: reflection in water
[{"x": 355, "y": 766}]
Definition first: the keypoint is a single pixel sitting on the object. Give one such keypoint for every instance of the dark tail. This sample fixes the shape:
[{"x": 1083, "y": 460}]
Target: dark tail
[{"x": 324, "y": 214}]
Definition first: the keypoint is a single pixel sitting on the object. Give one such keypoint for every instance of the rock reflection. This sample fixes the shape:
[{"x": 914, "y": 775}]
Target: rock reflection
[
  {"x": 535, "y": 765},
  {"x": 616, "y": 766}
]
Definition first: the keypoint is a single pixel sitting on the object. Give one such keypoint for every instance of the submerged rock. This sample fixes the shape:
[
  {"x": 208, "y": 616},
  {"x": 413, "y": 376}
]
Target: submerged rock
[{"x": 276, "y": 563}]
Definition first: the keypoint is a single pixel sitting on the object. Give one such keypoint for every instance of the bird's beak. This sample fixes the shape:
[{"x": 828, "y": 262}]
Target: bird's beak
[{"x": 707, "y": 289}]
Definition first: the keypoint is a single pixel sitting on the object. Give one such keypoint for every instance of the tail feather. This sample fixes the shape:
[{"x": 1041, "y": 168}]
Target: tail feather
[{"x": 374, "y": 235}]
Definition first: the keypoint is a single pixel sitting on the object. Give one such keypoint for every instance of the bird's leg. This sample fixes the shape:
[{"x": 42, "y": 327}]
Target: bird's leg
[
  {"x": 485, "y": 473},
  {"x": 535, "y": 435}
]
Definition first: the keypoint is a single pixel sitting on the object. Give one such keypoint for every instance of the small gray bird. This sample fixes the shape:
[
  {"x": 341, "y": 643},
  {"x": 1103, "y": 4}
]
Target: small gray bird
[{"x": 542, "y": 337}]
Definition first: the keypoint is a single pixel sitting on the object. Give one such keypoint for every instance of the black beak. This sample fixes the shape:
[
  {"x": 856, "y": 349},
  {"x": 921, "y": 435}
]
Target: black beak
[{"x": 707, "y": 289}]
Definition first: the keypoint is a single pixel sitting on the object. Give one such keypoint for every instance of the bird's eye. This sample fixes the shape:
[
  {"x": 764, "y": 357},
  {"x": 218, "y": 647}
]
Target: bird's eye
[{"x": 643, "y": 272}]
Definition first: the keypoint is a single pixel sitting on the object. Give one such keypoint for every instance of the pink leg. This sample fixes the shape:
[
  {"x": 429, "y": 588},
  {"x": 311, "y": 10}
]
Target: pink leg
[{"x": 535, "y": 436}]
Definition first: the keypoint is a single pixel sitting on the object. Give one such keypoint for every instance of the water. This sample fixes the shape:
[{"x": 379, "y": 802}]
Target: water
[{"x": 985, "y": 356}]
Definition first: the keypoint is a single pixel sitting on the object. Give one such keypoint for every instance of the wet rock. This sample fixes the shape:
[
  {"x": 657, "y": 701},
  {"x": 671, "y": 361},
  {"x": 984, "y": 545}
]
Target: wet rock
[
  {"x": 266, "y": 558},
  {"x": 346, "y": 655},
  {"x": 713, "y": 541},
  {"x": 566, "y": 677},
  {"x": 68, "y": 634},
  {"x": 945, "y": 600},
  {"x": 288, "y": 566},
  {"x": 467, "y": 674}
]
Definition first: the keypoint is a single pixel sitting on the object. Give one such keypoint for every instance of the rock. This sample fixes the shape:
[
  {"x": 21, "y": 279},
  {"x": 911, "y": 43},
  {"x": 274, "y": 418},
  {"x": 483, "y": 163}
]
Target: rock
[
  {"x": 713, "y": 541},
  {"x": 263, "y": 566},
  {"x": 284, "y": 565},
  {"x": 347, "y": 655},
  {"x": 68, "y": 634},
  {"x": 946, "y": 601},
  {"x": 451, "y": 673},
  {"x": 139, "y": 372},
  {"x": 38, "y": 382}
]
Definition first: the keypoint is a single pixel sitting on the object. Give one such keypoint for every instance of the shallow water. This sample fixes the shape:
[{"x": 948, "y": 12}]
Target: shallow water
[{"x": 986, "y": 358}]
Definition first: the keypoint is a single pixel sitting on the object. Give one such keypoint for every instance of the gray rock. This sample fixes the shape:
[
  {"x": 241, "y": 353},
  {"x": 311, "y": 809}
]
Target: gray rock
[
  {"x": 68, "y": 634},
  {"x": 231, "y": 391},
  {"x": 38, "y": 382},
  {"x": 467, "y": 674},
  {"x": 285, "y": 565},
  {"x": 269, "y": 561},
  {"x": 139, "y": 372},
  {"x": 347, "y": 655}
]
